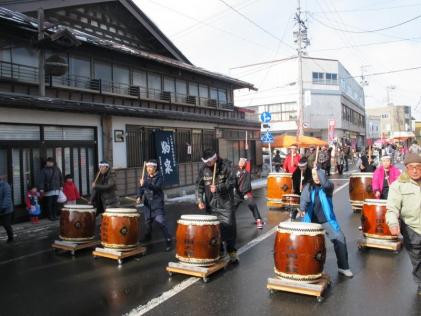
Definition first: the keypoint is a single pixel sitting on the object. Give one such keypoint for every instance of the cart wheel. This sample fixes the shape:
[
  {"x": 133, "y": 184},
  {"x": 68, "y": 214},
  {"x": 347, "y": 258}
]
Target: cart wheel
[
  {"x": 120, "y": 262},
  {"x": 271, "y": 291},
  {"x": 205, "y": 280},
  {"x": 73, "y": 253},
  {"x": 170, "y": 273},
  {"x": 320, "y": 299}
]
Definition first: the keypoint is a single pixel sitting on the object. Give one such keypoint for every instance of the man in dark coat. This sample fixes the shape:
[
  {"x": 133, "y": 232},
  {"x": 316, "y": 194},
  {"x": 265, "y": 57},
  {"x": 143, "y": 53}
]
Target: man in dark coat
[
  {"x": 218, "y": 198},
  {"x": 50, "y": 185},
  {"x": 301, "y": 176},
  {"x": 277, "y": 161},
  {"x": 150, "y": 190},
  {"x": 103, "y": 189},
  {"x": 244, "y": 192},
  {"x": 6, "y": 208}
]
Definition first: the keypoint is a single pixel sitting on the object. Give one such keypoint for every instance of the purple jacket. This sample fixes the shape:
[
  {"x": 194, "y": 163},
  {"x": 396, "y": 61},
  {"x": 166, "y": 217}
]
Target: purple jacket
[{"x": 378, "y": 177}]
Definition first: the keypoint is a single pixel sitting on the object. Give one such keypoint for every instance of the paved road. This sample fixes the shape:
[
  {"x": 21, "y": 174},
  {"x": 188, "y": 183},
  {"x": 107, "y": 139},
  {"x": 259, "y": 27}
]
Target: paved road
[{"x": 36, "y": 281}]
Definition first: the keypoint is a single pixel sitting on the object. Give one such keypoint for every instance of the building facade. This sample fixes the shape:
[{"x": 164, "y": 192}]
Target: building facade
[
  {"x": 373, "y": 127},
  {"x": 330, "y": 94},
  {"x": 112, "y": 81},
  {"x": 395, "y": 120}
]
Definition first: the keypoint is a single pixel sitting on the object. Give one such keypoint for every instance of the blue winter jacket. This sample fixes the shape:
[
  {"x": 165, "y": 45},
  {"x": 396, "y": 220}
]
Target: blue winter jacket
[
  {"x": 325, "y": 196},
  {"x": 6, "y": 203}
]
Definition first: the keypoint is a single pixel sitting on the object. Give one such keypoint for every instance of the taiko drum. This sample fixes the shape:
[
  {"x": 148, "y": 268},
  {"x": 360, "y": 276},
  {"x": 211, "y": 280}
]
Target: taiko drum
[
  {"x": 198, "y": 239},
  {"x": 299, "y": 251},
  {"x": 120, "y": 229},
  {"x": 373, "y": 220},
  {"x": 77, "y": 223},
  {"x": 291, "y": 200},
  {"x": 278, "y": 185},
  {"x": 360, "y": 188}
]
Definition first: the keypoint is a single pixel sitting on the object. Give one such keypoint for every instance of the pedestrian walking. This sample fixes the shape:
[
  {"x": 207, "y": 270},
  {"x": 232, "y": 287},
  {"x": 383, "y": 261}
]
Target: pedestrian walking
[
  {"x": 50, "y": 185},
  {"x": 104, "y": 189},
  {"x": 291, "y": 160},
  {"x": 277, "y": 161},
  {"x": 6, "y": 207},
  {"x": 311, "y": 157},
  {"x": 32, "y": 204},
  {"x": 70, "y": 190},
  {"x": 404, "y": 212},
  {"x": 215, "y": 193},
  {"x": 243, "y": 191},
  {"x": 316, "y": 207},
  {"x": 383, "y": 177},
  {"x": 150, "y": 190}
]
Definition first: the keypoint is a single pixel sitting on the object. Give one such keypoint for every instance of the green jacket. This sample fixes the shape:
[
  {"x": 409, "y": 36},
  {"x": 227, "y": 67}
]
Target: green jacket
[{"x": 404, "y": 203}]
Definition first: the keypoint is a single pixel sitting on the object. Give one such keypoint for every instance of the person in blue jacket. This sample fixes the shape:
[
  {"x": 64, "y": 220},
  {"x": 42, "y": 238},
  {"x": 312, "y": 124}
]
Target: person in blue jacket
[
  {"x": 316, "y": 207},
  {"x": 6, "y": 207},
  {"x": 150, "y": 190}
]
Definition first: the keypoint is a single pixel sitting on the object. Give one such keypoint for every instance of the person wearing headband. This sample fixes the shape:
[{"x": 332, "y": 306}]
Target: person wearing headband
[
  {"x": 403, "y": 215},
  {"x": 383, "y": 177},
  {"x": 104, "y": 189},
  {"x": 291, "y": 160},
  {"x": 301, "y": 176},
  {"x": 150, "y": 190},
  {"x": 215, "y": 195},
  {"x": 244, "y": 192}
]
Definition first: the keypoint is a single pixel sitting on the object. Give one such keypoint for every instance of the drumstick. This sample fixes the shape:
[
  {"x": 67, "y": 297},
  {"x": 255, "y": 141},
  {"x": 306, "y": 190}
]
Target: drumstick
[
  {"x": 214, "y": 174},
  {"x": 369, "y": 154},
  {"x": 317, "y": 156},
  {"x": 143, "y": 171},
  {"x": 82, "y": 198},
  {"x": 97, "y": 176}
]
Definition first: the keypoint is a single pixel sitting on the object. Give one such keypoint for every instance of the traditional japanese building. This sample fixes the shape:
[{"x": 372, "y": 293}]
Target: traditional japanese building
[{"x": 96, "y": 80}]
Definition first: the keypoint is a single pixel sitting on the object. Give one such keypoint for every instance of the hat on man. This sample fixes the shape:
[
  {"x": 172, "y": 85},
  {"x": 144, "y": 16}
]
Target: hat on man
[
  {"x": 303, "y": 162},
  {"x": 209, "y": 155},
  {"x": 385, "y": 157},
  {"x": 412, "y": 158},
  {"x": 104, "y": 163},
  {"x": 151, "y": 163}
]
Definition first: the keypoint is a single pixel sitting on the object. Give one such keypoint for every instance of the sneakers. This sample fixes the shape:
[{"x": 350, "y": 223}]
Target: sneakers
[
  {"x": 346, "y": 272},
  {"x": 259, "y": 224},
  {"x": 233, "y": 257},
  {"x": 360, "y": 228}
]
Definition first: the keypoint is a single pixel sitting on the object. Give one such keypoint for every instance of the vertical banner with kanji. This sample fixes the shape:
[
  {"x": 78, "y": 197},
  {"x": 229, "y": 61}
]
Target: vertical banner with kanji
[
  {"x": 331, "y": 131},
  {"x": 166, "y": 154}
]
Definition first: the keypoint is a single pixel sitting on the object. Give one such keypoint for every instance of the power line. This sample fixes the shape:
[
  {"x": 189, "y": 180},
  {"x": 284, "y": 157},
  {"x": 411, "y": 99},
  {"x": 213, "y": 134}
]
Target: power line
[
  {"x": 372, "y": 9},
  {"x": 264, "y": 63},
  {"x": 365, "y": 31},
  {"x": 385, "y": 72},
  {"x": 256, "y": 25}
]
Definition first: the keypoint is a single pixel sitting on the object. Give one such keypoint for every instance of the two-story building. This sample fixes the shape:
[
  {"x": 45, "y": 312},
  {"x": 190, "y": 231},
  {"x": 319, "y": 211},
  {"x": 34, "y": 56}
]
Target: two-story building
[
  {"x": 95, "y": 80},
  {"x": 330, "y": 94}
]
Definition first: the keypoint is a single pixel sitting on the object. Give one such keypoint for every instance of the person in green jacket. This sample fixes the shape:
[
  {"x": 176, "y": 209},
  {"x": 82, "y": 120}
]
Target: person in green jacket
[{"x": 404, "y": 212}]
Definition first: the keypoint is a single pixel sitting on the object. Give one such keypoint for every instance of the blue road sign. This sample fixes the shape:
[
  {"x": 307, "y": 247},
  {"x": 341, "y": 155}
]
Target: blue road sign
[
  {"x": 267, "y": 138},
  {"x": 265, "y": 117}
]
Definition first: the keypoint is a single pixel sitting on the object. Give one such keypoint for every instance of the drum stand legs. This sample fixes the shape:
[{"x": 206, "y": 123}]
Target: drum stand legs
[
  {"x": 197, "y": 271},
  {"x": 73, "y": 247},
  {"x": 316, "y": 289}
]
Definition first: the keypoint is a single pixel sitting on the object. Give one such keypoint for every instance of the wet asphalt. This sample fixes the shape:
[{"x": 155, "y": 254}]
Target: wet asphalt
[{"x": 36, "y": 280}]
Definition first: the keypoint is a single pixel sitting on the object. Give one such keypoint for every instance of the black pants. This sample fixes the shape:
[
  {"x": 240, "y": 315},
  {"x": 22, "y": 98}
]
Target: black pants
[
  {"x": 6, "y": 222},
  {"x": 412, "y": 242},
  {"x": 346, "y": 164},
  {"x": 251, "y": 203},
  {"x": 51, "y": 205},
  {"x": 339, "y": 245},
  {"x": 159, "y": 218},
  {"x": 340, "y": 168}
]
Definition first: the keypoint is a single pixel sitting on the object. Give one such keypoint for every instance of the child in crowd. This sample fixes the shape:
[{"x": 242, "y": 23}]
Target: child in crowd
[
  {"x": 70, "y": 190},
  {"x": 32, "y": 204}
]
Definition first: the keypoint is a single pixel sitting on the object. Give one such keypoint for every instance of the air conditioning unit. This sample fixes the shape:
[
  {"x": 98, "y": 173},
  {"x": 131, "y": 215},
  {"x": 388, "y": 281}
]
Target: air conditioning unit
[
  {"x": 212, "y": 102},
  {"x": 95, "y": 84},
  {"x": 166, "y": 96},
  {"x": 191, "y": 99},
  {"x": 134, "y": 91}
]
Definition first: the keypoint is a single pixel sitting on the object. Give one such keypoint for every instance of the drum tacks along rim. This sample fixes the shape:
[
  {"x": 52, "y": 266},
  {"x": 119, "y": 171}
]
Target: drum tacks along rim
[
  {"x": 77, "y": 240},
  {"x": 198, "y": 262},
  {"x": 120, "y": 247},
  {"x": 195, "y": 219},
  {"x": 298, "y": 277},
  {"x": 275, "y": 174}
]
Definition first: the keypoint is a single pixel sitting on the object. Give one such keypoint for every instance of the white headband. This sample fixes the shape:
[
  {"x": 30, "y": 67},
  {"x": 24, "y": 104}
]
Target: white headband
[
  {"x": 104, "y": 164},
  {"x": 209, "y": 159},
  {"x": 242, "y": 158},
  {"x": 151, "y": 164}
]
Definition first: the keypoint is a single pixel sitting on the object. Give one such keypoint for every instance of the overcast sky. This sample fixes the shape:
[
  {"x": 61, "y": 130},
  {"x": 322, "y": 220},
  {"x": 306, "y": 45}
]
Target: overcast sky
[{"x": 215, "y": 37}]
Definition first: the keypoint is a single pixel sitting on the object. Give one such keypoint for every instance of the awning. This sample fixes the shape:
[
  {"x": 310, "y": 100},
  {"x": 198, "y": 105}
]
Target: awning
[{"x": 283, "y": 141}]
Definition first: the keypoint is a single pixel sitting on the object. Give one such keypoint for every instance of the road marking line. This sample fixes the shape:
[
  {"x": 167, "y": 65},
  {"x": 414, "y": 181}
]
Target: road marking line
[{"x": 143, "y": 309}]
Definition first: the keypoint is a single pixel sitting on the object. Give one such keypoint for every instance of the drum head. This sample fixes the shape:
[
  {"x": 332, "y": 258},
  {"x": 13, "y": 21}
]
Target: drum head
[
  {"x": 120, "y": 211},
  {"x": 78, "y": 207},
  {"x": 362, "y": 174},
  {"x": 375, "y": 202},
  {"x": 300, "y": 227},
  {"x": 195, "y": 218},
  {"x": 280, "y": 175},
  {"x": 291, "y": 195}
]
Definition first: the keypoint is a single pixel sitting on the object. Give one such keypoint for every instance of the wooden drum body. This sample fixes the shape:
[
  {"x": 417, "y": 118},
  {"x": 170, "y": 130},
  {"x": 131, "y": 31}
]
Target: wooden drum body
[
  {"x": 198, "y": 239},
  {"x": 278, "y": 185},
  {"x": 373, "y": 220},
  {"x": 360, "y": 188},
  {"x": 120, "y": 228},
  {"x": 299, "y": 251},
  {"x": 77, "y": 223},
  {"x": 291, "y": 200}
]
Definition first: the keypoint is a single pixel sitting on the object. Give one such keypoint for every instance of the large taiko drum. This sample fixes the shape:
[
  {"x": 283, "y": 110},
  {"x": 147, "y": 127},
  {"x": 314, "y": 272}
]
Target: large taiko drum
[
  {"x": 373, "y": 220},
  {"x": 278, "y": 185},
  {"x": 291, "y": 200},
  {"x": 77, "y": 223},
  {"x": 198, "y": 239},
  {"x": 120, "y": 228},
  {"x": 299, "y": 251},
  {"x": 360, "y": 188}
]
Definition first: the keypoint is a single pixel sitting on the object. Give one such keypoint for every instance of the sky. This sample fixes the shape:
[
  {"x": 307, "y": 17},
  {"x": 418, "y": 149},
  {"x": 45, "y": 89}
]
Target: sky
[{"x": 223, "y": 34}]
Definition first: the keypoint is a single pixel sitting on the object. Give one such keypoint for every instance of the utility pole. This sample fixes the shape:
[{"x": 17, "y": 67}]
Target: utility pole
[
  {"x": 302, "y": 42},
  {"x": 389, "y": 95},
  {"x": 41, "y": 54}
]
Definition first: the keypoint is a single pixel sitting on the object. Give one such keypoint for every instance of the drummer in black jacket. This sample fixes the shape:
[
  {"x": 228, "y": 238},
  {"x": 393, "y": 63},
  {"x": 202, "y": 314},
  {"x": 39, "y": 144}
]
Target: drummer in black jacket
[
  {"x": 218, "y": 198},
  {"x": 153, "y": 199},
  {"x": 301, "y": 176},
  {"x": 244, "y": 192}
]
